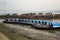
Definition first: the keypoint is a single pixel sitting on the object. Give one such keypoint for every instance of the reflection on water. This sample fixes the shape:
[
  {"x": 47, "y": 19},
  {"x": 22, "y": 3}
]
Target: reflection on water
[{"x": 53, "y": 20}]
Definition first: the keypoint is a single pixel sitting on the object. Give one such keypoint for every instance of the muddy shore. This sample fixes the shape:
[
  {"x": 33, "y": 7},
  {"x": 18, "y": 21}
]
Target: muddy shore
[
  {"x": 3, "y": 37},
  {"x": 22, "y": 32}
]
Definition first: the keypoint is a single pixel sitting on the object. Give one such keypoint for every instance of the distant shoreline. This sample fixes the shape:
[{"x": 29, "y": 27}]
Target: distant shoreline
[{"x": 55, "y": 16}]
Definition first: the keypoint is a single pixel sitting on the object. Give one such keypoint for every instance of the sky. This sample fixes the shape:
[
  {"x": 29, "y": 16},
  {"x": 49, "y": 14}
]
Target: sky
[{"x": 30, "y": 5}]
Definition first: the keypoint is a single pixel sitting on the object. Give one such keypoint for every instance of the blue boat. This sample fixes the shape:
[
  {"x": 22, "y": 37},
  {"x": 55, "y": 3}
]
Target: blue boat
[{"x": 34, "y": 21}]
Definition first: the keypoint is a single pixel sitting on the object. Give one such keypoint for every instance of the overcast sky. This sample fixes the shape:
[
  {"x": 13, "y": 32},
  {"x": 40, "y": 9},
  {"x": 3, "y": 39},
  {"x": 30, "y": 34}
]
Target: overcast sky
[{"x": 30, "y": 5}]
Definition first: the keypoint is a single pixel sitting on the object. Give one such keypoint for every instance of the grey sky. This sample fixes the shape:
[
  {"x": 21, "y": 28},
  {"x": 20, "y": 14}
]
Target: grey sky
[{"x": 30, "y": 5}]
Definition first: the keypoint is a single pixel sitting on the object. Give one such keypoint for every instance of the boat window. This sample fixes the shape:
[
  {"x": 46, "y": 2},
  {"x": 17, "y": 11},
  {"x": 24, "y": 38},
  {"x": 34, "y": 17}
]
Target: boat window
[
  {"x": 31, "y": 20},
  {"x": 11, "y": 20},
  {"x": 45, "y": 22},
  {"x": 42, "y": 22},
  {"x": 15, "y": 20},
  {"x": 25, "y": 20},
  {"x": 51, "y": 25},
  {"x": 39, "y": 22},
  {"x": 19, "y": 20},
  {"x": 35, "y": 21},
  {"x": 6, "y": 20}
]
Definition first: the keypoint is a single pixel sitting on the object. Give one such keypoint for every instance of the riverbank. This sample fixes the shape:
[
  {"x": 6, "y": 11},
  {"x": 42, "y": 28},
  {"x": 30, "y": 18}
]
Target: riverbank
[
  {"x": 22, "y": 32},
  {"x": 3, "y": 37}
]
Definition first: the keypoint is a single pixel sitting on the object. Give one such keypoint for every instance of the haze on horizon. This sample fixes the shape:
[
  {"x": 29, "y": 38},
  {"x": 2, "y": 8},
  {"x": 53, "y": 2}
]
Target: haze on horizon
[{"x": 30, "y": 5}]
